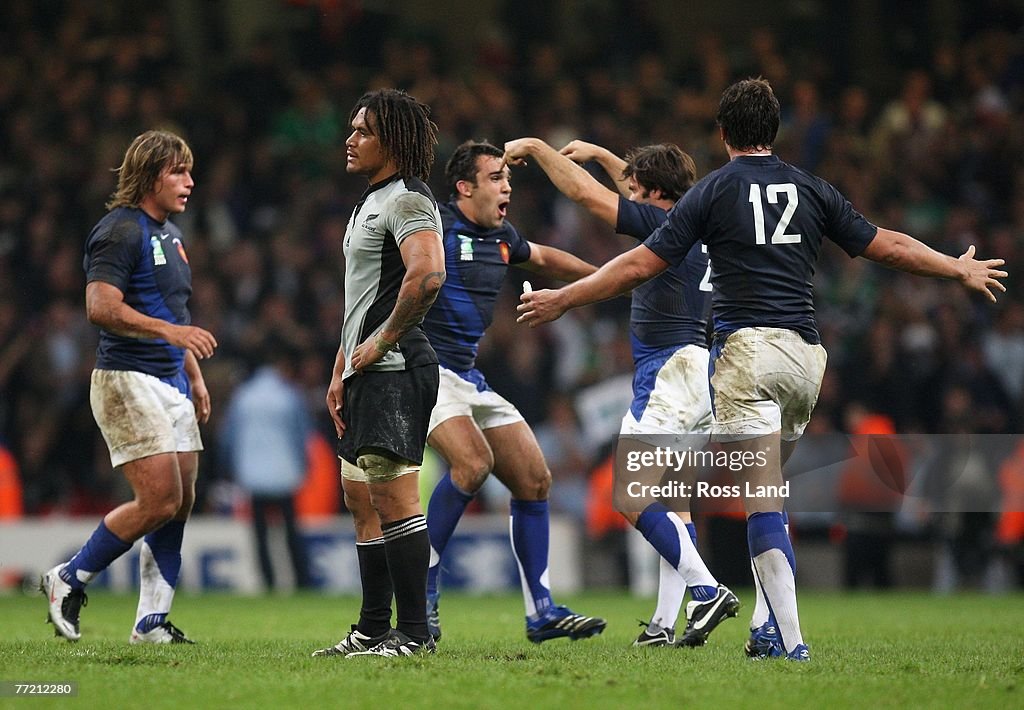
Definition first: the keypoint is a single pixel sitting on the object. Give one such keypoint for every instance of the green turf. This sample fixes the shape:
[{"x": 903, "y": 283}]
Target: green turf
[{"x": 908, "y": 650}]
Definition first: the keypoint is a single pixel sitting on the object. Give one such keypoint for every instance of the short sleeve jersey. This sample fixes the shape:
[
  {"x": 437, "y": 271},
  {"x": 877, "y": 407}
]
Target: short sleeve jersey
[
  {"x": 387, "y": 214},
  {"x": 476, "y": 261},
  {"x": 146, "y": 261},
  {"x": 670, "y": 310},
  {"x": 763, "y": 222}
]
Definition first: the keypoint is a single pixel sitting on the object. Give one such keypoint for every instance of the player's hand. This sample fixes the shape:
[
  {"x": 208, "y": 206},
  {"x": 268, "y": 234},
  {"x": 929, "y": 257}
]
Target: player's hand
[
  {"x": 368, "y": 353},
  {"x": 334, "y": 400},
  {"x": 982, "y": 276},
  {"x": 201, "y": 400},
  {"x": 200, "y": 342},
  {"x": 538, "y": 307},
  {"x": 579, "y": 151},
  {"x": 516, "y": 151}
]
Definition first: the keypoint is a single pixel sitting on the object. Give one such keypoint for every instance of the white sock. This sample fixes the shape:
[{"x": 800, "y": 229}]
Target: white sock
[
  {"x": 155, "y": 594},
  {"x": 691, "y": 566},
  {"x": 671, "y": 589},
  {"x": 760, "y": 615},
  {"x": 776, "y": 577}
]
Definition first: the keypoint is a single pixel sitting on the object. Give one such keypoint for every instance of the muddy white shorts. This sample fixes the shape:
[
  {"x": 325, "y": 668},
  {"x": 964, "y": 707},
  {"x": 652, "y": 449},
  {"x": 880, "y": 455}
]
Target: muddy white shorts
[
  {"x": 670, "y": 395},
  {"x": 765, "y": 380},
  {"x": 468, "y": 395},
  {"x": 140, "y": 415}
]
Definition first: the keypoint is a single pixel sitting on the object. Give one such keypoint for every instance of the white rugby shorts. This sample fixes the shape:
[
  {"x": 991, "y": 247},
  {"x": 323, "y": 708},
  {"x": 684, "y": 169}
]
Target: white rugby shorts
[
  {"x": 765, "y": 380},
  {"x": 679, "y": 402},
  {"x": 139, "y": 415},
  {"x": 458, "y": 398}
]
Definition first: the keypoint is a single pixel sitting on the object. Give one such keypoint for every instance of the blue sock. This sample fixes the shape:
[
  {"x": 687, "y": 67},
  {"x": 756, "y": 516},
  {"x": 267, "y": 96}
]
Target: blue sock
[
  {"x": 766, "y": 531},
  {"x": 165, "y": 542},
  {"x": 529, "y": 532},
  {"x": 658, "y": 530},
  {"x": 656, "y": 527},
  {"x": 159, "y": 566},
  {"x": 102, "y": 548},
  {"x": 447, "y": 504}
]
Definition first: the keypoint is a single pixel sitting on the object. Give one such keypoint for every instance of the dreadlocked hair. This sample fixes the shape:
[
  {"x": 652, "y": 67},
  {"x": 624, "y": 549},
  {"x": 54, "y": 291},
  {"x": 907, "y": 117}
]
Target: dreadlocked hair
[{"x": 403, "y": 126}]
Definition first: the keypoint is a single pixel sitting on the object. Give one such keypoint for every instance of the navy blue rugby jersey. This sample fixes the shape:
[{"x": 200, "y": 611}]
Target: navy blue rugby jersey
[
  {"x": 146, "y": 260},
  {"x": 672, "y": 308},
  {"x": 476, "y": 260},
  {"x": 763, "y": 221}
]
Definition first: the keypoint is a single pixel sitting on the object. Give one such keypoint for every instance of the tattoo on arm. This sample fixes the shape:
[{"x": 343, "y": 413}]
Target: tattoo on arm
[{"x": 410, "y": 309}]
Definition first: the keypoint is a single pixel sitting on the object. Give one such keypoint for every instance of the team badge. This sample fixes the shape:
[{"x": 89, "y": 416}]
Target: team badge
[
  {"x": 181, "y": 250},
  {"x": 503, "y": 248}
]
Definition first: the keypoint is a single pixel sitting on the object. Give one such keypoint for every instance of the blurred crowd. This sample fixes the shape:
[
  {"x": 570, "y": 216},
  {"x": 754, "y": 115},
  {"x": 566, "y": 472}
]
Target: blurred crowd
[{"x": 937, "y": 156}]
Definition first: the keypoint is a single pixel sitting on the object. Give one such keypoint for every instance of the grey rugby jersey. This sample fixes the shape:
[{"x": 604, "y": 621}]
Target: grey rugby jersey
[{"x": 388, "y": 212}]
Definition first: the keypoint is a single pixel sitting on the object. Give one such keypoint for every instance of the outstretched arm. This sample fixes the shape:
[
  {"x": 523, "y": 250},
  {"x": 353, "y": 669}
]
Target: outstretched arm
[
  {"x": 572, "y": 180},
  {"x": 901, "y": 251},
  {"x": 556, "y": 263},
  {"x": 618, "y": 276},
  {"x": 581, "y": 151}
]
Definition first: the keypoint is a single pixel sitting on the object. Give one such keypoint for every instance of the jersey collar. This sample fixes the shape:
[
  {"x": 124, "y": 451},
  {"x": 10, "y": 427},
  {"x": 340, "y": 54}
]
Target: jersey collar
[{"x": 374, "y": 186}]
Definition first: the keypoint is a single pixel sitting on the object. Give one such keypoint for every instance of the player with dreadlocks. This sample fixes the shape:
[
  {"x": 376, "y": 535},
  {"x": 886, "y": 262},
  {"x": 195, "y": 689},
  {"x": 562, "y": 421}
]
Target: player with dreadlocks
[{"x": 385, "y": 378}]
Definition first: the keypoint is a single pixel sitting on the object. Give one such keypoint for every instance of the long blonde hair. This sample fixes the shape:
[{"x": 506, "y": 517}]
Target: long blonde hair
[{"x": 143, "y": 162}]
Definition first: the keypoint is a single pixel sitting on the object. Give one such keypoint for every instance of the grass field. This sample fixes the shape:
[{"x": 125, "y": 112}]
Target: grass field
[{"x": 907, "y": 650}]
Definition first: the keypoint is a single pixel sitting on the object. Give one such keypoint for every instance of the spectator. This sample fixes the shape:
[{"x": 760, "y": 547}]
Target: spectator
[{"x": 264, "y": 440}]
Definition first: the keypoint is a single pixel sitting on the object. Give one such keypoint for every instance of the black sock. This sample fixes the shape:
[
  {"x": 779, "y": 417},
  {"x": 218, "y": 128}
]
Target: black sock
[
  {"x": 375, "y": 614},
  {"x": 408, "y": 551}
]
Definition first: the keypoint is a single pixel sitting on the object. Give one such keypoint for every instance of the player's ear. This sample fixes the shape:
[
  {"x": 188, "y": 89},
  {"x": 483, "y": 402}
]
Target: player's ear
[{"x": 464, "y": 188}]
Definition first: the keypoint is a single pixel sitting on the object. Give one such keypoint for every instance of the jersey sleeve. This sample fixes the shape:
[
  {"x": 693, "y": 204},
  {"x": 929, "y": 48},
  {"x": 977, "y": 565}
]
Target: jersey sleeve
[
  {"x": 846, "y": 226},
  {"x": 113, "y": 255},
  {"x": 638, "y": 220},
  {"x": 412, "y": 212},
  {"x": 518, "y": 248},
  {"x": 681, "y": 229}
]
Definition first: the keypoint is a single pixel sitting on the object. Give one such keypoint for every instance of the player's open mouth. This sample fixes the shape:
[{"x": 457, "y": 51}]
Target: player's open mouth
[{"x": 502, "y": 209}]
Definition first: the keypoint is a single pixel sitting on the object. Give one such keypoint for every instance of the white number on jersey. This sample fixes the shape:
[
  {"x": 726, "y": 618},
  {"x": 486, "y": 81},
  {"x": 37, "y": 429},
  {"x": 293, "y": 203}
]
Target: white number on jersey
[
  {"x": 779, "y": 236},
  {"x": 705, "y": 283}
]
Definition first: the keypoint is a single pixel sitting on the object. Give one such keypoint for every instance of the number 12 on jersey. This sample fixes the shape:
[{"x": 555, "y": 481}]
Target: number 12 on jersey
[{"x": 772, "y": 192}]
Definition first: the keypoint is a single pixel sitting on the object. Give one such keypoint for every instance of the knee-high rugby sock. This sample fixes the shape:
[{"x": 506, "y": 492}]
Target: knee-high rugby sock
[
  {"x": 671, "y": 589},
  {"x": 375, "y": 579},
  {"x": 775, "y": 567},
  {"x": 762, "y": 615},
  {"x": 159, "y": 565},
  {"x": 670, "y": 537},
  {"x": 529, "y": 529},
  {"x": 447, "y": 504},
  {"x": 102, "y": 548},
  {"x": 408, "y": 551}
]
